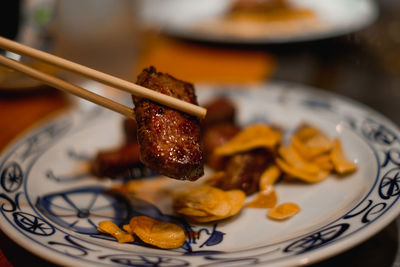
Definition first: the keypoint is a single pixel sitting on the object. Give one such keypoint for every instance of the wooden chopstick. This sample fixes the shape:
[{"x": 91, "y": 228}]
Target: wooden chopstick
[
  {"x": 107, "y": 79},
  {"x": 67, "y": 87}
]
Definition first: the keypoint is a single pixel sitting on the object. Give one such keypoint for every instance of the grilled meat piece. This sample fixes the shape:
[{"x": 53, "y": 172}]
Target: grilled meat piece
[
  {"x": 117, "y": 162},
  {"x": 123, "y": 160},
  {"x": 218, "y": 111},
  {"x": 244, "y": 170},
  {"x": 130, "y": 131},
  {"x": 218, "y": 135},
  {"x": 169, "y": 139},
  {"x": 214, "y": 136},
  {"x": 218, "y": 127}
]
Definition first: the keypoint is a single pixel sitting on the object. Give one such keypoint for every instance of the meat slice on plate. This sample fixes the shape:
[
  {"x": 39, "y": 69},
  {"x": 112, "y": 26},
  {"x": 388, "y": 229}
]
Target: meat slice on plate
[
  {"x": 169, "y": 139},
  {"x": 117, "y": 162},
  {"x": 243, "y": 170},
  {"x": 220, "y": 110}
]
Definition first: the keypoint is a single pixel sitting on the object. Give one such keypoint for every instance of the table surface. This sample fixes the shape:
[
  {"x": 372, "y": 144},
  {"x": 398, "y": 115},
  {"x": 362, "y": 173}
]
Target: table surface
[{"x": 364, "y": 66}]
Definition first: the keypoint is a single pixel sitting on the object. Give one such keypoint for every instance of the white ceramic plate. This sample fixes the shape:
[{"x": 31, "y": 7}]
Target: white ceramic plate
[
  {"x": 333, "y": 18},
  {"x": 51, "y": 208}
]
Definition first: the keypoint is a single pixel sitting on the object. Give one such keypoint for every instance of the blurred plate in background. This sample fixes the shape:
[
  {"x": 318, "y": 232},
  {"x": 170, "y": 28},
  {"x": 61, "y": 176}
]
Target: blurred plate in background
[{"x": 282, "y": 22}]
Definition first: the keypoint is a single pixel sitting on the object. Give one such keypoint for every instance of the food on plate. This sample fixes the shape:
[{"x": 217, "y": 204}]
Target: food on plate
[
  {"x": 283, "y": 211},
  {"x": 267, "y": 10},
  {"x": 241, "y": 155},
  {"x": 202, "y": 201},
  {"x": 215, "y": 178},
  {"x": 169, "y": 139},
  {"x": 254, "y": 5},
  {"x": 261, "y": 18},
  {"x": 165, "y": 140},
  {"x": 255, "y": 159},
  {"x": 265, "y": 199},
  {"x": 214, "y": 136},
  {"x": 269, "y": 177},
  {"x": 255, "y": 136},
  {"x": 220, "y": 110},
  {"x": 312, "y": 156},
  {"x": 311, "y": 142},
  {"x": 248, "y": 161},
  {"x": 109, "y": 227},
  {"x": 157, "y": 233},
  {"x": 206, "y": 203},
  {"x": 292, "y": 157},
  {"x": 217, "y": 128},
  {"x": 340, "y": 163},
  {"x": 130, "y": 131},
  {"x": 164, "y": 235},
  {"x": 237, "y": 197},
  {"x": 244, "y": 170},
  {"x": 121, "y": 161},
  {"x": 300, "y": 174},
  {"x": 116, "y": 162}
]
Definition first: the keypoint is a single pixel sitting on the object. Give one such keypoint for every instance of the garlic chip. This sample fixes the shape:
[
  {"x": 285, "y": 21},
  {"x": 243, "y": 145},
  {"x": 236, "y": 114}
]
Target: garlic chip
[
  {"x": 157, "y": 233},
  {"x": 283, "y": 211},
  {"x": 255, "y": 136},
  {"x": 109, "y": 227}
]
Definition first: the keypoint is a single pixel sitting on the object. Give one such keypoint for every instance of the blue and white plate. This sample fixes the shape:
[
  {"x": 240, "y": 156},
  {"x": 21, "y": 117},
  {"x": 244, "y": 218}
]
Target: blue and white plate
[{"x": 50, "y": 205}]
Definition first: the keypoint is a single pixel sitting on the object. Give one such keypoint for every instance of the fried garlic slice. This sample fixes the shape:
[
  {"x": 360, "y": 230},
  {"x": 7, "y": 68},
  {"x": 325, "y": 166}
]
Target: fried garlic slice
[
  {"x": 312, "y": 136},
  {"x": 127, "y": 228},
  {"x": 294, "y": 159},
  {"x": 301, "y": 174},
  {"x": 265, "y": 199},
  {"x": 157, "y": 233},
  {"x": 283, "y": 211},
  {"x": 255, "y": 136},
  {"x": 269, "y": 177},
  {"x": 192, "y": 212},
  {"x": 311, "y": 142},
  {"x": 236, "y": 198},
  {"x": 324, "y": 161},
  {"x": 340, "y": 163},
  {"x": 208, "y": 199},
  {"x": 109, "y": 227}
]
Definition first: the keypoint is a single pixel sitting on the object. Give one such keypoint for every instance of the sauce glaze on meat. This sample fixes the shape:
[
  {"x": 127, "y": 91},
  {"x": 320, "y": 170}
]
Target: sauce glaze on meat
[{"x": 169, "y": 140}]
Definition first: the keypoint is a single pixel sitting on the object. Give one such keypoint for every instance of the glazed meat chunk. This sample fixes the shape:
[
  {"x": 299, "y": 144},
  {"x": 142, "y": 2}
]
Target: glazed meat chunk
[
  {"x": 169, "y": 139},
  {"x": 221, "y": 110},
  {"x": 117, "y": 162},
  {"x": 243, "y": 170}
]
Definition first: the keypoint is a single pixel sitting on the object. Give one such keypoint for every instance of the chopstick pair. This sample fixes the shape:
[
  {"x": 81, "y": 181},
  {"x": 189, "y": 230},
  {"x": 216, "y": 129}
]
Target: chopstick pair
[{"x": 104, "y": 78}]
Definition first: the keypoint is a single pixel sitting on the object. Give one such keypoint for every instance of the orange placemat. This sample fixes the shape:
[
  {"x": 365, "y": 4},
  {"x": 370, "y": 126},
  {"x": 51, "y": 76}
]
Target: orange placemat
[
  {"x": 194, "y": 62},
  {"x": 17, "y": 112}
]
